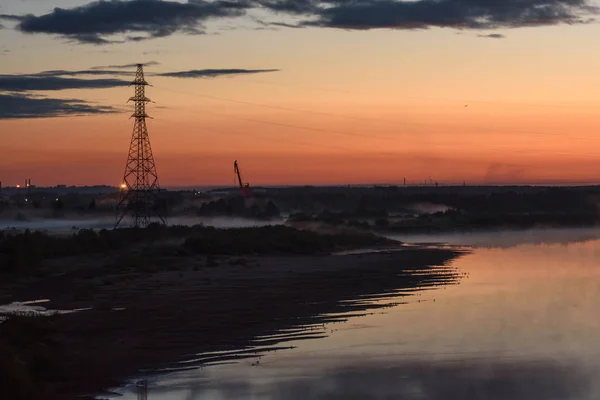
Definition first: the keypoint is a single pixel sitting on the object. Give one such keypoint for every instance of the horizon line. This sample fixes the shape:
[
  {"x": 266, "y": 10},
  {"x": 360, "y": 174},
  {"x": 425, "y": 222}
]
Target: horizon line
[{"x": 421, "y": 185}]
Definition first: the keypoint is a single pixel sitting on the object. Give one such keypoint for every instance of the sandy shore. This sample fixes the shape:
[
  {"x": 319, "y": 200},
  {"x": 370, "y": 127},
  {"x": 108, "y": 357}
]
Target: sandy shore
[{"x": 151, "y": 319}]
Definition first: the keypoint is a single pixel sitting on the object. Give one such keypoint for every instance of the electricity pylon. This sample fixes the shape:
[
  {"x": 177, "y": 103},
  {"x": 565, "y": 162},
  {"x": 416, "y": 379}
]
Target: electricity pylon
[{"x": 140, "y": 188}]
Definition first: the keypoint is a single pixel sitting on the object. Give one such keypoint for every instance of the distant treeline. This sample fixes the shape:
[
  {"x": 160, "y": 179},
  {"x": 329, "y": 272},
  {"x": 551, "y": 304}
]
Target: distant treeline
[{"x": 444, "y": 209}]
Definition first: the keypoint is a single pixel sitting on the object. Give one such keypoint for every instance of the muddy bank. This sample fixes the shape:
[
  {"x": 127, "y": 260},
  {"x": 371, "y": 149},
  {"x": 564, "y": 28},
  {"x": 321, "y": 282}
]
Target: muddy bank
[{"x": 152, "y": 318}]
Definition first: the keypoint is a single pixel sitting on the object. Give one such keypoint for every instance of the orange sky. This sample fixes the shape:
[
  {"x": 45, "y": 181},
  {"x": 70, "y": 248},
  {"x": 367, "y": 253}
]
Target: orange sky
[{"x": 346, "y": 107}]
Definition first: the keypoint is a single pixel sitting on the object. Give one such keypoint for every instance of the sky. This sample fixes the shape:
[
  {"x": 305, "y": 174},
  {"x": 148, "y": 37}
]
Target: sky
[{"x": 303, "y": 91}]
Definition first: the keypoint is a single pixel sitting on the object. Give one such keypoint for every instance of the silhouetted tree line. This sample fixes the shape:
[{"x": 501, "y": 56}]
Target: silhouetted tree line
[
  {"x": 237, "y": 207},
  {"x": 278, "y": 239},
  {"x": 468, "y": 209},
  {"x": 24, "y": 252}
]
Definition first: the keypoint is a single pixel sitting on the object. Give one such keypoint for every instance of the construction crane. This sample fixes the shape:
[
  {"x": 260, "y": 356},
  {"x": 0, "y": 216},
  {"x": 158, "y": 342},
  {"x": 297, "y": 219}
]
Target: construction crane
[{"x": 244, "y": 187}]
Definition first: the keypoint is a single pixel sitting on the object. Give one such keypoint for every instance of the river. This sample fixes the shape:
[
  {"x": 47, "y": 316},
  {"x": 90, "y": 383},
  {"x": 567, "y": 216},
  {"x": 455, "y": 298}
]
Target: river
[{"x": 522, "y": 324}]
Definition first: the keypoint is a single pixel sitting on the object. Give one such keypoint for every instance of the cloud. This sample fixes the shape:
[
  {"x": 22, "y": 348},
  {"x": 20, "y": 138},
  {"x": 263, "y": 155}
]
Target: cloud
[
  {"x": 52, "y": 81},
  {"x": 118, "y": 21},
  {"x": 19, "y": 106},
  {"x": 9, "y": 17},
  {"x": 492, "y": 36},
  {"x": 62, "y": 72},
  {"x": 211, "y": 73},
  {"x": 127, "y": 66},
  {"x": 95, "y": 22},
  {"x": 64, "y": 79},
  {"x": 17, "y": 100},
  {"x": 423, "y": 14}
]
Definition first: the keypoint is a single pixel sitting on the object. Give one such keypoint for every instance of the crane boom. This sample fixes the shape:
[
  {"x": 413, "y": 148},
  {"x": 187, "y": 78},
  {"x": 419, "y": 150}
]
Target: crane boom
[
  {"x": 236, "y": 171},
  {"x": 244, "y": 187}
]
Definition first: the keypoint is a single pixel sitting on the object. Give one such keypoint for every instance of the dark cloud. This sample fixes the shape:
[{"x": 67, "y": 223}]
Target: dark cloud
[
  {"x": 492, "y": 36},
  {"x": 18, "y": 101},
  {"x": 135, "y": 20},
  {"x": 83, "y": 72},
  {"x": 127, "y": 66},
  {"x": 9, "y": 17},
  {"x": 19, "y": 106},
  {"x": 211, "y": 73},
  {"x": 64, "y": 79},
  {"x": 293, "y": 6},
  {"x": 95, "y": 22},
  {"x": 422, "y": 14},
  {"x": 52, "y": 80}
]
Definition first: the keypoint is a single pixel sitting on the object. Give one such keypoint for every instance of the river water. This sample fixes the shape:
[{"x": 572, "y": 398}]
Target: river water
[{"x": 523, "y": 324}]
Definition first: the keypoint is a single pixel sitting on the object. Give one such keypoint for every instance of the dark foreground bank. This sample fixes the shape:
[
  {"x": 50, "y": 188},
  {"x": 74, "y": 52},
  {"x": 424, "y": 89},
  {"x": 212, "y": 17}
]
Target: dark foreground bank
[{"x": 148, "y": 314}]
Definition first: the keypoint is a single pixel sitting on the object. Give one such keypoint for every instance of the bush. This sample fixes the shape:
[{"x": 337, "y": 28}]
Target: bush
[
  {"x": 24, "y": 252},
  {"x": 276, "y": 239}
]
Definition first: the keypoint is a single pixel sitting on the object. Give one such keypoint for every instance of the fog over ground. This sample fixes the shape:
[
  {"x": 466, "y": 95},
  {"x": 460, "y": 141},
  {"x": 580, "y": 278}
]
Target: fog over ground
[
  {"x": 486, "y": 239},
  {"x": 68, "y": 224}
]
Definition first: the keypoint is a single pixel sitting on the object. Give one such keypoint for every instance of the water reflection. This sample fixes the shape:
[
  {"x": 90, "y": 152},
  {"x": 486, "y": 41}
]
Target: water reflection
[
  {"x": 412, "y": 380},
  {"x": 32, "y": 308},
  {"x": 523, "y": 326},
  {"x": 505, "y": 238}
]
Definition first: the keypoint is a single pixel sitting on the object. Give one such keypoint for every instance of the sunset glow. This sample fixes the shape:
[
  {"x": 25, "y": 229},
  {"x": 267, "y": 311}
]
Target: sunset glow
[{"x": 372, "y": 106}]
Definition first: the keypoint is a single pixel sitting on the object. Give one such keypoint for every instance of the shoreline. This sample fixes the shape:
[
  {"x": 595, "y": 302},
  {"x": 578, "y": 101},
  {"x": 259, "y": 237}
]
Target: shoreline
[{"x": 176, "y": 313}]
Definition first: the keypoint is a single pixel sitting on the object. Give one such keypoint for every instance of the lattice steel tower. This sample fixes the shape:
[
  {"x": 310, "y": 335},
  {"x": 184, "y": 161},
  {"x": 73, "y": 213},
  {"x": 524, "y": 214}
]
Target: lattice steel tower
[{"x": 140, "y": 188}]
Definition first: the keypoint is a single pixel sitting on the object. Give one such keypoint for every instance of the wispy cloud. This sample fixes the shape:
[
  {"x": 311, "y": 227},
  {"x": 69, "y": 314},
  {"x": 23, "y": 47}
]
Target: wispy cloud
[
  {"x": 9, "y": 17},
  {"x": 17, "y": 99},
  {"x": 127, "y": 66},
  {"x": 212, "y": 73},
  {"x": 492, "y": 36},
  {"x": 41, "y": 82},
  {"x": 21, "y": 106}
]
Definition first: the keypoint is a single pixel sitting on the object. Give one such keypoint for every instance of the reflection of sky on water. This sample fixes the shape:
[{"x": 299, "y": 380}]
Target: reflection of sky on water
[
  {"x": 504, "y": 238},
  {"x": 522, "y": 325},
  {"x": 486, "y": 380}
]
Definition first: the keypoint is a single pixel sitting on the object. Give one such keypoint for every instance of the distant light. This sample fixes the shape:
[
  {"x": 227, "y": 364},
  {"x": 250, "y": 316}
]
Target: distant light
[
  {"x": 26, "y": 199},
  {"x": 57, "y": 199},
  {"x": 123, "y": 186},
  {"x": 18, "y": 186}
]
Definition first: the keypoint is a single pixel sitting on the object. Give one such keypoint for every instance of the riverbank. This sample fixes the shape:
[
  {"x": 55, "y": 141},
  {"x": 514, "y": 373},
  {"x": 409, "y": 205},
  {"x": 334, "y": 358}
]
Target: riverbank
[{"x": 152, "y": 316}]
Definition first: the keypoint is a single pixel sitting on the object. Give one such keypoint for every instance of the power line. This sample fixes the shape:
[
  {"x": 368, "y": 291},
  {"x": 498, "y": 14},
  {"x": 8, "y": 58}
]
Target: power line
[
  {"x": 273, "y": 139},
  {"x": 270, "y": 106},
  {"x": 390, "y": 153},
  {"x": 306, "y": 128},
  {"x": 459, "y": 101},
  {"x": 396, "y": 124}
]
